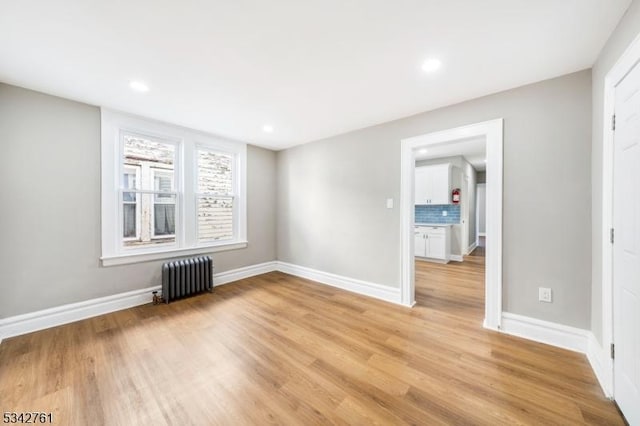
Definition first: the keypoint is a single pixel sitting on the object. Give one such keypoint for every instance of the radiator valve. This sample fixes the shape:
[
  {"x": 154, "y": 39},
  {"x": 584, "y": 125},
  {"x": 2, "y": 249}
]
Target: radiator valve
[{"x": 156, "y": 299}]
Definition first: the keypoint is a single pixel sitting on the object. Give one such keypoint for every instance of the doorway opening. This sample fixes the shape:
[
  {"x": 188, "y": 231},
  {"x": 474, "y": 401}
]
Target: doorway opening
[{"x": 456, "y": 234}]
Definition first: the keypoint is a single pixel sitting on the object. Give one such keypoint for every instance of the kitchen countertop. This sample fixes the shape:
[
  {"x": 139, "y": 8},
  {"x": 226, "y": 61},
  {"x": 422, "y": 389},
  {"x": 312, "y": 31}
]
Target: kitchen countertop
[{"x": 441, "y": 225}]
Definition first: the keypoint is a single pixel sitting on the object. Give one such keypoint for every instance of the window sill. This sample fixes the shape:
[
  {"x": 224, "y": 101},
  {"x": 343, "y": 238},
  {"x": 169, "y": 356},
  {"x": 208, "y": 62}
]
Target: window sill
[{"x": 125, "y": 259}]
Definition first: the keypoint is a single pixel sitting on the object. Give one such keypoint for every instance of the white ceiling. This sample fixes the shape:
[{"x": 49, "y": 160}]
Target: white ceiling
[
  {"x": 311, "y": 69},
  {"x": 474, "y": 150}
]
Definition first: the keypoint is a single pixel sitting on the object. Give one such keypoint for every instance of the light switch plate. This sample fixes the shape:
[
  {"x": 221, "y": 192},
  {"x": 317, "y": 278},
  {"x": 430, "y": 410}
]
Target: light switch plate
[
  {"x": 544, "y": 294},
  {"x": 389, "y": 203}
]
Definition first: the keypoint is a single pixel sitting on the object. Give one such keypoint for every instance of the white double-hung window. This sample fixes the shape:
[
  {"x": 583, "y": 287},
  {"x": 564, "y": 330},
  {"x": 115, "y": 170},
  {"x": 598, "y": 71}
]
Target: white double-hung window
[{"x": 168, "y": 191}]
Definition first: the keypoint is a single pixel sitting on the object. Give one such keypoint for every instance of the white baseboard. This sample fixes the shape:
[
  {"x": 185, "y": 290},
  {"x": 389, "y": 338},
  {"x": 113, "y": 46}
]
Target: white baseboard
[
  {"x": 456, "y": 258},
  {"x": 482, "y": 234},
  {"x": 566, "y": 337},
  {"x": 601, "y": 364},
  {"x": 559, "y": 335},
  {"x": 472, "y": 247},
  {"x": 52, "y": 317},
  {"x": 382, "y": 292},
  {"x": 244, "y": 272},
  {"x": 562, "y": 336},
  {"x": 59, "y": 315}
]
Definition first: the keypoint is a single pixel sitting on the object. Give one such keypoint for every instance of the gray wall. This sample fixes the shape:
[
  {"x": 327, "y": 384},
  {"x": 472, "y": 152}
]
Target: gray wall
[
  {"x": 50, "y": 215},
  {"x": 481, "y": 193},
  {"x": 471, "y": 202},
  {"x": 331, "y": 196},
  {"x": 625, "y": 33}
]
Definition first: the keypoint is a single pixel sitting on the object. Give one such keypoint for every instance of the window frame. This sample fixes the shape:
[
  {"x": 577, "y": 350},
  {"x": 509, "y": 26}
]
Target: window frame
[
  {"x": 137, "y": 202},
  {"x": 114, "y": 126}
]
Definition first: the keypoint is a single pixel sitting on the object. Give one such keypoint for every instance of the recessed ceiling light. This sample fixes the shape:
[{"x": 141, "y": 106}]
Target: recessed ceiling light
[
  {"x": 423, "y": 151},
  {"x": 267, "y": 128},
  {"x": 431, "y": 65},
  {"x": 138, "y": 86}
]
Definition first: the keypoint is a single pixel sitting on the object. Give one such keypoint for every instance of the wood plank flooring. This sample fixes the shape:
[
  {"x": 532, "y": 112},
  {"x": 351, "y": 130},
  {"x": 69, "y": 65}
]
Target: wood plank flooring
[{"x": 277, "y": 349}]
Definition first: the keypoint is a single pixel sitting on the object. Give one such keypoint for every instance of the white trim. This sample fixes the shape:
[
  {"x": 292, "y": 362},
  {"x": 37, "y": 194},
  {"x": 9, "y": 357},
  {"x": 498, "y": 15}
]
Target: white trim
[
  {"x": 559, "y": 335},
  {"x": 472, "y": 247},
  {"x": 457, "y": 258},
  {"x": 529, "y": 328},
  {"x": 52, "y": 317},
  {"x": 432, "y": 260},
  {"x": 223, "y": 278},
  {"x": 113, "y": 124},
  {"x": 482, "y": 234},
  {"x": 59, "y": 315},
  {"x": 602, "y": 365},
  {"x": 378, "y": 291},
  {"x": 622, "y": 67},
  {"x": 493, "y": 131},
  {"x": 168, "y": 254},
  {"x": 566, "y": 337}
]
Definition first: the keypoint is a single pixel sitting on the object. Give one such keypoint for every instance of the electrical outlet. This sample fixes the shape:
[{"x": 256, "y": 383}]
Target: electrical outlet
[
  {"x": 544, "y": 294},
  {"x": 444, "y": 213}
]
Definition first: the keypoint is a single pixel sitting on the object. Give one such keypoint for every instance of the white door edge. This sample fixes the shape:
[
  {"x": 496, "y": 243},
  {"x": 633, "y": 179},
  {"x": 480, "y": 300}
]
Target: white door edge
[{"x": 616, "y": 74}]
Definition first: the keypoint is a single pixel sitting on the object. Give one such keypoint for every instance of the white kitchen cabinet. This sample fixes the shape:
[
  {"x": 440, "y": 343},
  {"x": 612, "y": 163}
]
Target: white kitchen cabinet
[
  {"x": 433, "y": 242},
  {"x": 420, "y": 243},
  {"x": 432, "y": 184},
  {"x": 436, "y": 246},
  {"x": 422, "y": 185}
]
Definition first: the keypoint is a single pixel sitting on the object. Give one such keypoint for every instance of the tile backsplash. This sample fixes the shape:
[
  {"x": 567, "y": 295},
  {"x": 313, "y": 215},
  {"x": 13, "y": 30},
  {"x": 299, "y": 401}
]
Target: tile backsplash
[{"x": 433, "y": 213}]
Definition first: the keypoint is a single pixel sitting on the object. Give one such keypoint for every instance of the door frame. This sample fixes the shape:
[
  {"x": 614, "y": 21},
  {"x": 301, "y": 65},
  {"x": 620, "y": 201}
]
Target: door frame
[
  {"x": 616, "y": 74},
  {"x": 492, "y": 130}
]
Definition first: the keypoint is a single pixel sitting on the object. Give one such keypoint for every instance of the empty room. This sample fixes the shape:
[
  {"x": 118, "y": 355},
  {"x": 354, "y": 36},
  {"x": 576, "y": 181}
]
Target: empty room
[{"x": 359, "y": 212}]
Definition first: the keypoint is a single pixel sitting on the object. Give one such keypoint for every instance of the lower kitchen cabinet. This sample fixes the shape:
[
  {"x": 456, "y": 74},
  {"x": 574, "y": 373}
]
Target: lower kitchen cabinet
[{"x": 433, "y": 242}]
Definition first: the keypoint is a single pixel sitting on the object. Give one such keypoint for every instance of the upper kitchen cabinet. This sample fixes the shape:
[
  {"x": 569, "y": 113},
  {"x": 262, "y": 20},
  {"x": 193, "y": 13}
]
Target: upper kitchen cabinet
[{"x": 433, "y": 184}]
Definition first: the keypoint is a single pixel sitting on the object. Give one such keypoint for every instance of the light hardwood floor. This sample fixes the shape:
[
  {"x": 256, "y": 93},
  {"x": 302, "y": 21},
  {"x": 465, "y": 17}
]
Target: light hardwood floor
[{"x": 276, "y": 349}]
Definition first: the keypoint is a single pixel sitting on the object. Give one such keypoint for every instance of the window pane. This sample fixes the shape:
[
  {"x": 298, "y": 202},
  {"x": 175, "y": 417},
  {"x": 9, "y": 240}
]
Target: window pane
[
  {"x": 129, "y": 220},
  {"x": 164, "y": 219},
  {"x": 129, "y": 197},
  {"x": 215, "y": 218},
  {"x": 163, "y": 181},
  {"x": 147, "y": 223},
  {"x": 148, "y": 218},
  {"x": 148, "y": 157},
  {"x": 215, "y": 174},
  {"x": 129, "y": 180}
]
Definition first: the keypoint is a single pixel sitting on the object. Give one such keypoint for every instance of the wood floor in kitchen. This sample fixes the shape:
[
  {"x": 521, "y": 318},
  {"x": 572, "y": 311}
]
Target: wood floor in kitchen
[{"x": 276, "y": 349}]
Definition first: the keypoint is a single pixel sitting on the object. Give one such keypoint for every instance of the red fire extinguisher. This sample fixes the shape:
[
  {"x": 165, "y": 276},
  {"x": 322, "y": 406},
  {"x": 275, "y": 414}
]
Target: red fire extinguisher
[{"x": 455, "y": 196}]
